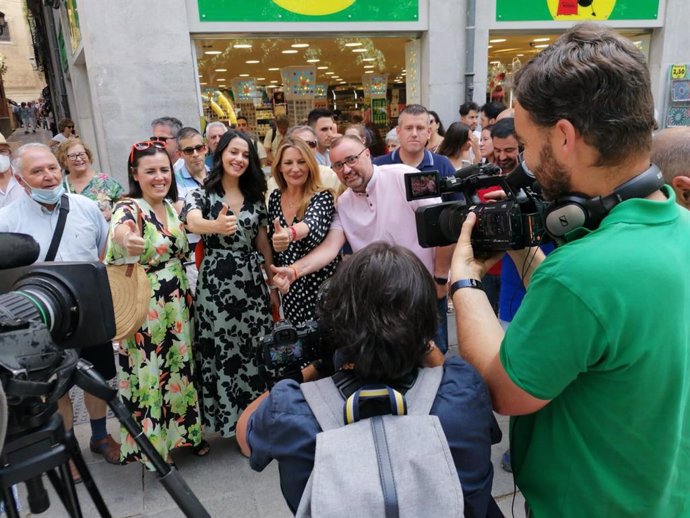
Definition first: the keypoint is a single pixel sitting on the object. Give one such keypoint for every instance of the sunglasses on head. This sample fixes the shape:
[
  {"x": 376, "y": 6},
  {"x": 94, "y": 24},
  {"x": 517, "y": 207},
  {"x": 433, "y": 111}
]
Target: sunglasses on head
[
  {"x": 141, "y": 146},
  {"x": 189, "y": 151}
]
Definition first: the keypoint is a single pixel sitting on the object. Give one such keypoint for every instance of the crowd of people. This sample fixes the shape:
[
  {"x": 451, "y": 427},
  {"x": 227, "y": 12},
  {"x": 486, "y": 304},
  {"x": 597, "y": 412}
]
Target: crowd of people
[{"x": 565, "y": 342}]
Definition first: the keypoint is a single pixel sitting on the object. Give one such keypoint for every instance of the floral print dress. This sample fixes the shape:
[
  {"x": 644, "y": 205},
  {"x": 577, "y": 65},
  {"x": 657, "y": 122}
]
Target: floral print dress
[
  {"x": 156, "y": 364},
  {"x": 232, "y": 313},
  {"x": 101, "y": 188}
]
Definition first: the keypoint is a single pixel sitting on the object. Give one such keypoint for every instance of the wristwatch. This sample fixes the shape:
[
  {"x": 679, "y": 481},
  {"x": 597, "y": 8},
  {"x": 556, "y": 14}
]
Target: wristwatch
[
  {"x": 465, "y": 283},
  {"x": 441, "y": 281}
]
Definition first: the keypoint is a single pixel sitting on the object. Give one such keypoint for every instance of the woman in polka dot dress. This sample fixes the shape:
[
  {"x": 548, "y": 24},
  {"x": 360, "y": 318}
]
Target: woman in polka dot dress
[{"x": 301, "y": 211}]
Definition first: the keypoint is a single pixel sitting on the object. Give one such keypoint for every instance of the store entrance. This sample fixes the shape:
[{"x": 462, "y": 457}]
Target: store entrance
[{"x": 361, "y": 78}]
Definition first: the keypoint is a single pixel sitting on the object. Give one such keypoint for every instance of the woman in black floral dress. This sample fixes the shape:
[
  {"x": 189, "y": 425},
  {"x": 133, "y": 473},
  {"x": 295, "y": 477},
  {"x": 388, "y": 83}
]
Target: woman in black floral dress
[
  {"x": 232, "y": 307},
  {"x": 301, "y": 211}
]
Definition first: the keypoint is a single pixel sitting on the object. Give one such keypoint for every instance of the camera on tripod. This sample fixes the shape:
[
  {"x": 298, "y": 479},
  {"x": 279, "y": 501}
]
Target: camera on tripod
[{"x": 512, "y": 223}]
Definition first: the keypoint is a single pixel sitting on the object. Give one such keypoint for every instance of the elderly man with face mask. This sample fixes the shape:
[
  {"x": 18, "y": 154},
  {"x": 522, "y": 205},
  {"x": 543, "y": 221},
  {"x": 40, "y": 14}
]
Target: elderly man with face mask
[{"x": 83, "y": 239}]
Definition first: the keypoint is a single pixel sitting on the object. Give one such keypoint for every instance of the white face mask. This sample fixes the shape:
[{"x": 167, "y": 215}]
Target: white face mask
[{"x": 4, "y": 163}]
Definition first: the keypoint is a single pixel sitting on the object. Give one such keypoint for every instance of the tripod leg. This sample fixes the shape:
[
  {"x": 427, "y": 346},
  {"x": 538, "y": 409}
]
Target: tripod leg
[
  {"x": 87, "y": 479},
  {"x": 65, "y": 490},
  {"x": 10, "y": 502}
]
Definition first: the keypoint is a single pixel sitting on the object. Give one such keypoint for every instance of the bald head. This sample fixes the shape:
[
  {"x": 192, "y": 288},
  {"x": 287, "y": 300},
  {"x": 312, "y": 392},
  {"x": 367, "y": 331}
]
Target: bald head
[{"x": 671, "y": 152}]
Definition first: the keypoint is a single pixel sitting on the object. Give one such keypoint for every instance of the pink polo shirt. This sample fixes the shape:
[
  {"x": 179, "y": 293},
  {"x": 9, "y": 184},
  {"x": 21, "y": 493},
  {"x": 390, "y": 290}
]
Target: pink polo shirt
[{"x": 383, "y": 213}]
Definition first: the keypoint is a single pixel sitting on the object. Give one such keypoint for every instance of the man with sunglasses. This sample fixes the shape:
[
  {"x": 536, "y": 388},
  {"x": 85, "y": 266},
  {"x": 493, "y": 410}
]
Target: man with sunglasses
[
  {"x": 373, "y": 208},
  {"x": 165, "y": 129}
]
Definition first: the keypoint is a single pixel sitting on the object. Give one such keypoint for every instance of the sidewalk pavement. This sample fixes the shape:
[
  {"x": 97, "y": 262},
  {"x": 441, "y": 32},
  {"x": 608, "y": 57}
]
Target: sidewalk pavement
[{"x": 19, "y": 138}]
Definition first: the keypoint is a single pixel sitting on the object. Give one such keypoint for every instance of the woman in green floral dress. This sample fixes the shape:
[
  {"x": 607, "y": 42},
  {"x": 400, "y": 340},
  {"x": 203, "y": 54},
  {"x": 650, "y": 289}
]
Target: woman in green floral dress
[
  {"x": 82, "y": 178},
  {"x": 156, "y": 368}
]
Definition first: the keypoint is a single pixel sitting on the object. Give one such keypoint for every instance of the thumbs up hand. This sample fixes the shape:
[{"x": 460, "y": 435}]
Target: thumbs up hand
[
  {"x": 132, "y": 241},
  {"x": 281, "y": 237},
  {"x": 226, "y": 225}
]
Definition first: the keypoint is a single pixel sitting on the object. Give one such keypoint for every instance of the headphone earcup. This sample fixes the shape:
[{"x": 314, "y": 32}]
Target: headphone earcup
[{"x": 567, "y": 214}]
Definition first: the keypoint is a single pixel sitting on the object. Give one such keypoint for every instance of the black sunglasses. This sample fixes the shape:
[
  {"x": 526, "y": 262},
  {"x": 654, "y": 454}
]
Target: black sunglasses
[
  {"x": 311, "y": 143},
  {"x": 189, "y": 151},
  {"x": 160, "y": 139}
]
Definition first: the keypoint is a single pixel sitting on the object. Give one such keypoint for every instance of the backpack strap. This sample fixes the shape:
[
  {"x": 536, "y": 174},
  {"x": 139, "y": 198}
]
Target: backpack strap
[
  {"x": 420, "y": 398},
  {"x": 325, "y": 402},
  {"x": 386, "y": 478}
]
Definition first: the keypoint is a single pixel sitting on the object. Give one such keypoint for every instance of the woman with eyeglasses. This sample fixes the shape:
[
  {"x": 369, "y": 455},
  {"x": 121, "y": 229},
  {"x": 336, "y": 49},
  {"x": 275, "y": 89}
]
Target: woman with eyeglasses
[
  {"x": 301, "y": 210},
  {"x": 65, "y": 131},
  {"x": 81, "y": 178},
  {"x": 437, "y": 132},
  {"x": 457, "y": 144},
  {"x": 156, "y": 364},
  {"x": 233, "y": 306}
]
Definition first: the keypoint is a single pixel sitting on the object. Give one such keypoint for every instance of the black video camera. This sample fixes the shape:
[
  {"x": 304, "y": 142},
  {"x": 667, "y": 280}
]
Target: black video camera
[
  {"x": 512, "y": 223},
  {"x": 288, "y": 349}
]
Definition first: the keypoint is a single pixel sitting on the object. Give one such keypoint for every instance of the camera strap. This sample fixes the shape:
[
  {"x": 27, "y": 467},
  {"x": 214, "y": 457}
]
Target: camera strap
[{"x": 59, "y": 228}]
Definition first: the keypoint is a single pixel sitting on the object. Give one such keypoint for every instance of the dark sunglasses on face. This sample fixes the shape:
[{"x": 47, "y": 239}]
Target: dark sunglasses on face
[
  {"x": 70, "y": 127},
  {"x": 141, "y": 146},
  {"x": 311, "y": 143},
  {"x": 189, "y": 151},
  {"x": 160, "y": 139}
]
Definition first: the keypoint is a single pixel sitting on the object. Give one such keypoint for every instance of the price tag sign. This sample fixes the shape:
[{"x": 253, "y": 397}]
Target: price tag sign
[{"x": 678, "y": 71}]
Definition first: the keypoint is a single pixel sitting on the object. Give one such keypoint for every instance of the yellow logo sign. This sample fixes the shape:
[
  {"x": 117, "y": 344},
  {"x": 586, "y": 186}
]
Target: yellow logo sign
[
  {"x": 678, "y": 71},
  {"x": 574, "y": 10},
  {"x": 314, "y": 7}
]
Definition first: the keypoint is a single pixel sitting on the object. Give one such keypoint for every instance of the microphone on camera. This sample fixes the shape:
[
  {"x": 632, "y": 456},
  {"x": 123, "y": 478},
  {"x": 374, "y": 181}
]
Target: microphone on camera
[
  {"x": 521, "y": 176},
  {"x": 471, "y": 170},
  {"x": 18, "y": 250}
]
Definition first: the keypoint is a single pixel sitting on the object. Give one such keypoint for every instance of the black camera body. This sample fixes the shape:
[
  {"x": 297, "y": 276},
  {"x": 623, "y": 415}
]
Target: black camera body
[{"x": 512, "y": 223}]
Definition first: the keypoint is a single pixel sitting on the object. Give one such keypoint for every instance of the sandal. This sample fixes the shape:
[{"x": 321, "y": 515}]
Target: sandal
[{"x": 202, "y": 449}]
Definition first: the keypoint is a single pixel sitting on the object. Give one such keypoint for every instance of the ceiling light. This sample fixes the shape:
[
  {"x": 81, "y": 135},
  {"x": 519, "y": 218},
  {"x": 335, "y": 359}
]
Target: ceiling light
[
  {"x": 490, "y": 46},
  {"x": 498, "y": 40},
  {"x": 252, "y": 62},
  {"x": 368, "y": 66},
  {"x": 313, "y": 60},
  {"x": 213, "y": 52},
  {"x": 274, "y": 81},
  {"x": 242, "y": 46},
  {"x": 368, "y": 71},
  {"x": 368, "y": 59},
  {"x": 354, "y": 44},
  {"x": 538, "y": 40},
  {"x": 261, "y": 79},
  {"x": 271, "y": 86},
  {"x": 322, "y": 68},
  {"x": 221, "y": 79},
  {"x": 329, "y": 73},
  {"x": 274, "y": 69},
  {"x": 494, "y": 62},
  {"x": 203, "y": 84},
  {"x": 512, "y": 49},
  {"x": 244, "y": 75},
  {"x": 520, "y": 55},
  {"x": 404, "y": 70},
  {"x": 221, "y": 70},
  {"x": 359, "y": 50},
  {"x": 541, "y": 46},
  {"x": 299, "y": 45},
  {"x": 290, "y": 51}
]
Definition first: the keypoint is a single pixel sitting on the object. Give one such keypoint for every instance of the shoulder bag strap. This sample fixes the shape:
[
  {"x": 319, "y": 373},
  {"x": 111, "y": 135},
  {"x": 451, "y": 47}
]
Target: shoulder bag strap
[
  {"x": 59, "y": 229},
  {"x": 325, "y": 402}
]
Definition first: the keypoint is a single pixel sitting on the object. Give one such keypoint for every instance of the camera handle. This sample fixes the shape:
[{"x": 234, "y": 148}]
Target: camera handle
[{"x": 88, "y": 379}]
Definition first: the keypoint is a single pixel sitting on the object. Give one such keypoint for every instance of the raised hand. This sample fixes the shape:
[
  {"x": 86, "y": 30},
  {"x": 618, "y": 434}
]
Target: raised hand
[
  {"x": 283, "y": 276},
  {"x": 281, "y": 237},
  {"x": 133, "y": 242},
  {"x": 226, "y": 225}
]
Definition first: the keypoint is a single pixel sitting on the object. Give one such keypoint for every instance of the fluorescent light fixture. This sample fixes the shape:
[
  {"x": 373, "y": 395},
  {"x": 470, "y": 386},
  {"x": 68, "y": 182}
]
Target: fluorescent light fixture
[
  {"x": 313, "y": 60},
  {"x": 271, "y": 86},
  {"x": 221, "y": 69},
  {"x": 359, "y": 50},
  {"x": 368, "y": 71},
  {"x": 252, "y": 62},
  {"x": 203, "y": 84},
  {"x": 261, "y": 79},
  {"x": 289, "y": 51},
  {"x": 322, "y": 68},
  {"x": 498, "y": 40},
  {"x": 221, "y": 79},
  {"x": 329, "y": 73},
  {"x": 368, "y": 66},
  {"x": 539, "y": 40},
  {"x": 299, "y": 45},
  {"x": 213, "y": 52},
  {"x": 274, "y": 81},
  {"x": 354, "y": 44},
  {"x": 342, "y": 82},
  {"x": 274, "y": 69},
  {"x": 368, "y": 59},
  {"x": 242, "y": 46},
  {"x": 520, "y": 55},
  {"x": 244, "y": 75},
  {"x": 541, "y": 46}
]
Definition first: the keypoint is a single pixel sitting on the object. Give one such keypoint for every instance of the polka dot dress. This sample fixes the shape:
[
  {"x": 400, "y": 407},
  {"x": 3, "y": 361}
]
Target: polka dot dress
[{"x": 299, "y": 304}]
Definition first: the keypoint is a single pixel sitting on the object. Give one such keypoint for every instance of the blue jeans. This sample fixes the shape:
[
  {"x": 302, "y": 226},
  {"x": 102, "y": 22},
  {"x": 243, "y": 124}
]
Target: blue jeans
[{"x": 441, "y": 337}]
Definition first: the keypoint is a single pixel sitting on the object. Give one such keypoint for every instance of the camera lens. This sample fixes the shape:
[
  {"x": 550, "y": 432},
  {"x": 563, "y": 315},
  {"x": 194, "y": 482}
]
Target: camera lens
[{"x": 41, "y": 298}]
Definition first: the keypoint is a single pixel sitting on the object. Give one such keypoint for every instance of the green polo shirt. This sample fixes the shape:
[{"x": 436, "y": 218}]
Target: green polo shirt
[{"x": 604, "y": 333}]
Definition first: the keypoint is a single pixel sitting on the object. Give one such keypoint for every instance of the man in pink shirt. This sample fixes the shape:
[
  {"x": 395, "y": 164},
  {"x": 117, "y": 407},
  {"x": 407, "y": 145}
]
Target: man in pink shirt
[{"x": 373, "y": 208}]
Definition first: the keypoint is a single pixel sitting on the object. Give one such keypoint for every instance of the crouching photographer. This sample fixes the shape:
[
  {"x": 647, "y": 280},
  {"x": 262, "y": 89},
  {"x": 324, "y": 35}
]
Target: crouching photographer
[{"x": 380, "y": 336}]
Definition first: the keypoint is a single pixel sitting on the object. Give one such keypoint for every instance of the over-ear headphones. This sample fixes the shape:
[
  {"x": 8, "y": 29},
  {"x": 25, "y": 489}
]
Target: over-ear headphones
[{"x": 576, "y": 210}]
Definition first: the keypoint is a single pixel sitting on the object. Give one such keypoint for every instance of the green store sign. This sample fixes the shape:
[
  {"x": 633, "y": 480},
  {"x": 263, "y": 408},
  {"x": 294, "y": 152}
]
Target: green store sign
[
  {"x": 575, "y": 10},
  {"x": 309, "y": 11}
]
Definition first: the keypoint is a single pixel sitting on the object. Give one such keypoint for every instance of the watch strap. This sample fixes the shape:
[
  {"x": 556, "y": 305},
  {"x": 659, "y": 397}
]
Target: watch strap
[
  {"x": 441, "y": 281},
  {"x": 465, "y": 283}
]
